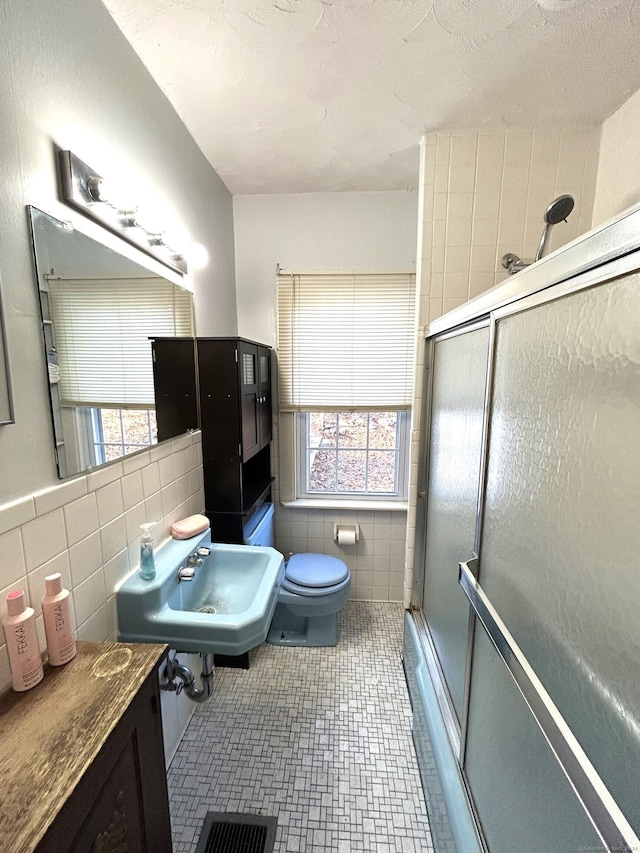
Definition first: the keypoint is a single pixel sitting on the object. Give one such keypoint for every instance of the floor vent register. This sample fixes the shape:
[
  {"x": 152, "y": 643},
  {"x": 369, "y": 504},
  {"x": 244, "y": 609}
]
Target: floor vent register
[{"x": 223, "y": 832}]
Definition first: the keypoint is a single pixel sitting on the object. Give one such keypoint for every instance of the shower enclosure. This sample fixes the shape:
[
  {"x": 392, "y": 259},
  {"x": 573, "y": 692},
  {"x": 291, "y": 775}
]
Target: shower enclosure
[{"x": 522, "y": 647}]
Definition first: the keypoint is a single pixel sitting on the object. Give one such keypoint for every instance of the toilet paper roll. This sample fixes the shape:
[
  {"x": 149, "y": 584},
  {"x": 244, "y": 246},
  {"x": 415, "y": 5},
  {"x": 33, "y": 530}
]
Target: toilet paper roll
[{"x": 346, "y": 536}]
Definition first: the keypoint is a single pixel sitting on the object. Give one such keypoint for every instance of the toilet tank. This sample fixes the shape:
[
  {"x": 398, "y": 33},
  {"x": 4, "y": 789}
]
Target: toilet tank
[{"x": 259, "y": 529}]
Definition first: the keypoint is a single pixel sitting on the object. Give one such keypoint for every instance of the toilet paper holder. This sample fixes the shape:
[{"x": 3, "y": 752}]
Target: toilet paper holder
[{"x": 346, "y": 534}]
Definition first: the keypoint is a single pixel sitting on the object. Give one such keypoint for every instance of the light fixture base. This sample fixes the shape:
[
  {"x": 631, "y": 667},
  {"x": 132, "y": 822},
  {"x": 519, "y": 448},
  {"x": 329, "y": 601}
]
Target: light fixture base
[{"x": 81, "y": 189}]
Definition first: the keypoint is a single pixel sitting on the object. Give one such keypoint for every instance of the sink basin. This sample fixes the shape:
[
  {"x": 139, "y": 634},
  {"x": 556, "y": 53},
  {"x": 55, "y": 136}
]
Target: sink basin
[{"x": 225, "y": 609}]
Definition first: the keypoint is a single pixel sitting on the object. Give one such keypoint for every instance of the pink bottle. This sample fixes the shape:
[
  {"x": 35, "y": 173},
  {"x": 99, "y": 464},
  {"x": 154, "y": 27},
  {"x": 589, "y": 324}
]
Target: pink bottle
[
  {"x": 22, "y": 643},
  {"x": 58, "y": 623}
]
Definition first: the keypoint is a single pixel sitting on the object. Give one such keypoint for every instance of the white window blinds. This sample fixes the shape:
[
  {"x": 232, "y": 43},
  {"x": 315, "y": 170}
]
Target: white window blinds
[
  {"x": 101, "y": 329},
  {"x": 345, "y": 341}
]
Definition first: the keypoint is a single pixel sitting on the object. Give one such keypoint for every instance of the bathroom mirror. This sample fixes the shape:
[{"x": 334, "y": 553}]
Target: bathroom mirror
[{"x": 99, "y": 310}]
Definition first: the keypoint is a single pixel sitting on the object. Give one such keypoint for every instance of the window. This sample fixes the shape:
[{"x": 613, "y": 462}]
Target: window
[
  {"x": 102, "y": 329},
  {"x": 352, "y": 454},
  {"x": 345, "y": 362},
  {"x": 117, "y": 432},
  {"x": 97, "y": 333}
]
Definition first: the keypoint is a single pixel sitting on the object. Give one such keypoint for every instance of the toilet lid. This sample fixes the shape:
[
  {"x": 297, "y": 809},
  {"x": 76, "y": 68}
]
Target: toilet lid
[
  {"x": 316, "y": 570},
  {"x": 311, "y": 591}
]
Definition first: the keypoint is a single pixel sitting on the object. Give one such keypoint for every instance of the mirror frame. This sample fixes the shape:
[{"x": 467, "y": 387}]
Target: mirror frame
[{"x": 6, "y": 399}]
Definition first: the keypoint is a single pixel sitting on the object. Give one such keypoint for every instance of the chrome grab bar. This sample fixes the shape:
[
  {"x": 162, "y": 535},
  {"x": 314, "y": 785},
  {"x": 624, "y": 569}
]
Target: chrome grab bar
[{"x": 602, "y": 810}]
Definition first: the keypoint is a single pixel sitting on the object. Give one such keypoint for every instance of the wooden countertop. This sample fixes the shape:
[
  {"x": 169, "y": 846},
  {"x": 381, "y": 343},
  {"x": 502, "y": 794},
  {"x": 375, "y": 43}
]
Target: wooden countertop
[{"x": 51, "y": 734}]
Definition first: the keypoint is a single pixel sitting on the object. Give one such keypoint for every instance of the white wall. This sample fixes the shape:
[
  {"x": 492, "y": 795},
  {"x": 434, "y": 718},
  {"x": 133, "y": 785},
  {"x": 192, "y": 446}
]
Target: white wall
[
  {"x": 315, "y": 231},
  {"x": 346, "y": 231},
  {"x": 618, "y": 181},
  {"x": 69, "y": 79}
]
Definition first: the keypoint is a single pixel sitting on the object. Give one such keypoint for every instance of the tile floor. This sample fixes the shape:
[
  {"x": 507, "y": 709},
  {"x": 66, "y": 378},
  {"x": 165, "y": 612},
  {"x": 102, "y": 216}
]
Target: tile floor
[{"x": 319, "y": 738}]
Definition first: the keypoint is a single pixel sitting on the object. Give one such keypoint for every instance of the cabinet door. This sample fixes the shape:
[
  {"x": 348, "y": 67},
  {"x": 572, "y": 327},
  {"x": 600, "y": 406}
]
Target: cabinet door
[
  {"x": 174, "y": 381},
  {"x": 121, "y": 804},
  {"x": 264, "y": 395},
  {"x": 248, "y": 369}
]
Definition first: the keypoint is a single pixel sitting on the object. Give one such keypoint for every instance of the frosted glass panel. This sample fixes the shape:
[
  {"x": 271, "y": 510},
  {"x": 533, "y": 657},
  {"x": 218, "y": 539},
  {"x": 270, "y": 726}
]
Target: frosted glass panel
[
  {"x": 523, "y": 798},
  {"x": 561, "y": 545},
  {"x": 460, "y": 366}
]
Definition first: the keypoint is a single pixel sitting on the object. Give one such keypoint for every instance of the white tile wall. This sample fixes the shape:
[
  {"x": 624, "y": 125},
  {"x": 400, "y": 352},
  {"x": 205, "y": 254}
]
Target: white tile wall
[
  {"x": 485, "y": 193},
  {"x": 376, "y": 561},
  {"x": 88, "y": 529}
]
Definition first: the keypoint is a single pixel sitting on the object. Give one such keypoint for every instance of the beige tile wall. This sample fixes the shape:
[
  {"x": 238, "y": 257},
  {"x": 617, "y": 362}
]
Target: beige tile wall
[
  {"x": 376, "y": 561},
  {"x": 485, "y": 193},
  {"x": 88, "y": 530}
]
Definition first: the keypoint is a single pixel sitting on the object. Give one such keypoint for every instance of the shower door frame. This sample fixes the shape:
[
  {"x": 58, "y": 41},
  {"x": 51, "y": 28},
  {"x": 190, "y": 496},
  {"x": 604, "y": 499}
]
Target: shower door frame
[
  {"x": 454, "y": 728},
  {"x": 602, "y": 811}
]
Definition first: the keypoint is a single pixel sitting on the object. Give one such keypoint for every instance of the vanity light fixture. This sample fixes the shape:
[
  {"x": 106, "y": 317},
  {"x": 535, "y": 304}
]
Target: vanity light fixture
[{"x": 90, "y": 193}]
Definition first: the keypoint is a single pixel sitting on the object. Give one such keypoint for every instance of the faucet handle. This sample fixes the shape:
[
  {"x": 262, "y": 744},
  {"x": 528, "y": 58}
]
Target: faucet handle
[
  {"x": 203, "y": 551},
  {"x": 186, "y": 573}
]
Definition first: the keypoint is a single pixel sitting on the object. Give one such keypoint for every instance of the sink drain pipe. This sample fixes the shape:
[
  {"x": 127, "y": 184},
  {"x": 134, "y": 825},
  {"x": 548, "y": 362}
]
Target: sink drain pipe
[{"x": 181, "y": 678}]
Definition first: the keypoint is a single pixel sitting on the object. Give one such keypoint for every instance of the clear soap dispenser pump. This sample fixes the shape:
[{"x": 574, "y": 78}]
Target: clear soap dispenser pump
[{"x": 147, "y": 561}]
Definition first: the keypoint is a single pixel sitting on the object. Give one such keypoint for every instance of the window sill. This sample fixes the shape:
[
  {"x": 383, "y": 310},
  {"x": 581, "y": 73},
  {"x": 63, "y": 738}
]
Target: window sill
[{"x": 371, "y": 506}]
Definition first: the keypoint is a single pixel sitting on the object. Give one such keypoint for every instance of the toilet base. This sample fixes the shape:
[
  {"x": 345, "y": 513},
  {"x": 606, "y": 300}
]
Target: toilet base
[{"x": 290, "y": 629}]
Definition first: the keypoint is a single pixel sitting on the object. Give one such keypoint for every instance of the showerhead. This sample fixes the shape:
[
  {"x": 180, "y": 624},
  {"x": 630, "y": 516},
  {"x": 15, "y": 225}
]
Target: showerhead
[{"x": 559, "y": 209}]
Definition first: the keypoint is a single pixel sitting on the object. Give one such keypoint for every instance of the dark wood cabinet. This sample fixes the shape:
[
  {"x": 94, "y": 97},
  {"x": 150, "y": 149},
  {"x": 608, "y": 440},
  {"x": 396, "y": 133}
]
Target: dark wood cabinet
[
  {"x": 174, "y": 382},
  {"x": 254, "y": 377},
  {"x": 234, "y": 397},
  {"x": 234, "y": 377},
  {"x": 84, "y": 756}
]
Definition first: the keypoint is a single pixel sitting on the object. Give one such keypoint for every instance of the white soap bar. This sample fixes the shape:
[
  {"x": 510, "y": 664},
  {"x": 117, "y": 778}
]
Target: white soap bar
[{"x": 189, "y": 527}]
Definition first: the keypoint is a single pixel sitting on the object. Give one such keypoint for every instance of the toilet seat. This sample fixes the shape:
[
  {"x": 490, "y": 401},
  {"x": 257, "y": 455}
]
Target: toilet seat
[{"x": 315, "y": 574}]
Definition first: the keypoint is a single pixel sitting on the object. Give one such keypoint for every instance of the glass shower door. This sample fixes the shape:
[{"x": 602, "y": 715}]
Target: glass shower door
[
  {"x": 559, "y": 564},
  {"x": 459, "y": 371}
]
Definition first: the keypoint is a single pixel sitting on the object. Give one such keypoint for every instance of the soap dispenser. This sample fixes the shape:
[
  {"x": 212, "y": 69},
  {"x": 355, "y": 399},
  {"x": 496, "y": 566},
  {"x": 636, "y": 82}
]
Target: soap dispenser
[{"x": 147, "y": 561}]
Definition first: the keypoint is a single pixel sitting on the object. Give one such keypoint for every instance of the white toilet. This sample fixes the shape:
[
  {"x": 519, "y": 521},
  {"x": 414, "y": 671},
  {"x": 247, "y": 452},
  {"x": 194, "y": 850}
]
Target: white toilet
[{"x": 313, "y": 591}]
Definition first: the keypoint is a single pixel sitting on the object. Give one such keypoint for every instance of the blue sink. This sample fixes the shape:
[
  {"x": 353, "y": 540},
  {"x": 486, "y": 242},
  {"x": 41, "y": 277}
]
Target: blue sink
[{"x": 225, "y": 609}]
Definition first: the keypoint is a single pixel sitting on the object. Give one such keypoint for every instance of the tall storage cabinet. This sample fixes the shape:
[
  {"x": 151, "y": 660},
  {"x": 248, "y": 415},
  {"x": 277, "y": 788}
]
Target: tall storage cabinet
[{"x": 233, "y": 379}]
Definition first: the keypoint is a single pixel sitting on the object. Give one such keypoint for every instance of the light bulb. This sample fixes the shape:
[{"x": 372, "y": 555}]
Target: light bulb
[
  {"x": 98, "y": 189},
  {"x": 197, "y": 256}
]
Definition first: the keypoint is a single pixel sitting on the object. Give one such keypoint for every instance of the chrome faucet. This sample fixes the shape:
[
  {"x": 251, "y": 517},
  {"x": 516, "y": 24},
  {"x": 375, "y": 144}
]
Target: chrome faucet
[{"x": 188, "y": 572}]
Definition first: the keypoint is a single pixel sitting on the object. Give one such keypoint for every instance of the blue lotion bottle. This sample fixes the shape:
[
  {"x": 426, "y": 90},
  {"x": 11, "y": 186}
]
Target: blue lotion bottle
[{"x": 147, "y": 561}]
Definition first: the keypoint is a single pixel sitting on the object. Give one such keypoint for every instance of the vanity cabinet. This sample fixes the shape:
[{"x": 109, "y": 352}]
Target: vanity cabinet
[
  {"x": 234, "y": 398},
  {"x": 83, "y": 756}
]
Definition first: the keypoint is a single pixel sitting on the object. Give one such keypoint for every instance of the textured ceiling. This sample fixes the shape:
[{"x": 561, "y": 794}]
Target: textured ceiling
[{"x": 330, "y": 95}]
